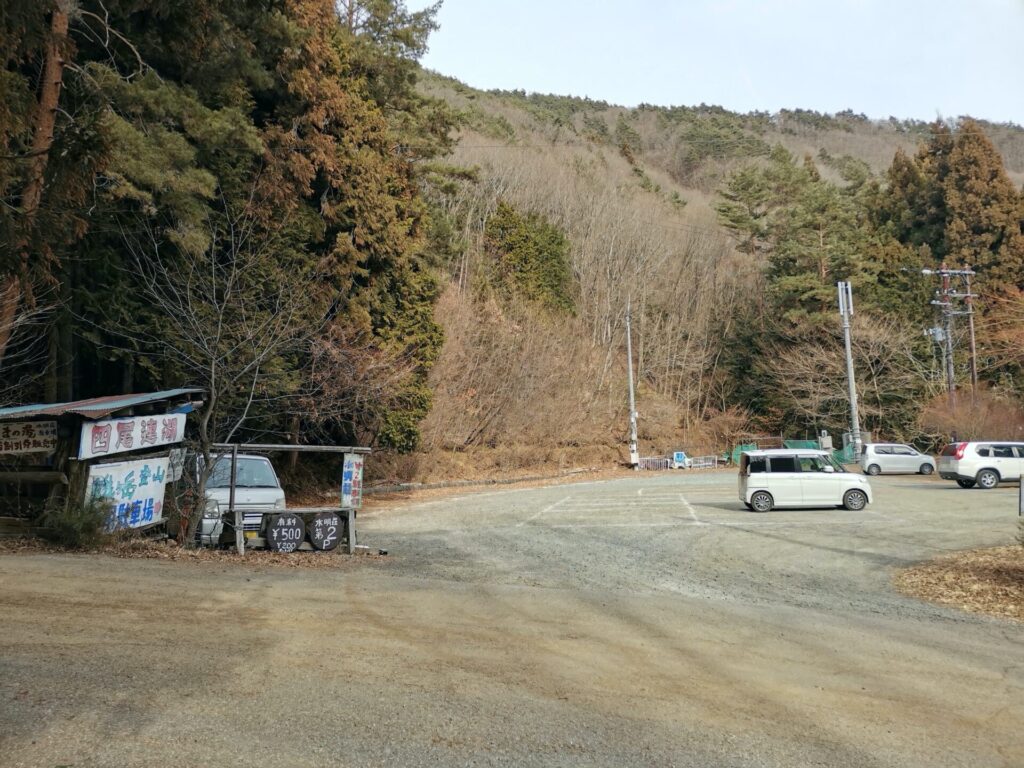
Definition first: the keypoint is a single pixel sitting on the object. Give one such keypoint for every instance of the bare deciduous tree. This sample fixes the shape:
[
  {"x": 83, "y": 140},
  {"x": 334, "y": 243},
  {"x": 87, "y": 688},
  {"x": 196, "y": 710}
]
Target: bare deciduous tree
[{"x": 225, "y": 318}]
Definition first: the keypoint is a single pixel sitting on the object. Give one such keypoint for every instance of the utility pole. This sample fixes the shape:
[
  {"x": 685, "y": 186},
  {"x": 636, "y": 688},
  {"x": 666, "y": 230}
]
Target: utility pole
[
  {"x": 946, "y": 298},
  {"x": 969, "y": 301},
  {"x": 634, "y": 456},
  {"x": 846, "y": 311}
]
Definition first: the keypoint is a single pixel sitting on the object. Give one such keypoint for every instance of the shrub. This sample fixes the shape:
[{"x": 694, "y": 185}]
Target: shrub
[{"x": 78, "y": 525}]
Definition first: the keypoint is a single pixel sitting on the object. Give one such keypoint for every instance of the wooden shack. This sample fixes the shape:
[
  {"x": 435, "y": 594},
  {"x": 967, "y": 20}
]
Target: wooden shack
[{"x": 119, "y": 447}]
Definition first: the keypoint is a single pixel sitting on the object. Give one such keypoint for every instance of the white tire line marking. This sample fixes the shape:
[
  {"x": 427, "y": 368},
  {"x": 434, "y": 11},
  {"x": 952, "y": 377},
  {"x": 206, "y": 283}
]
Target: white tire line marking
[
  {"x": 681, "y": 523},
  {"x": 546, "y": 509},
  {"x": 690, "y": 509}
]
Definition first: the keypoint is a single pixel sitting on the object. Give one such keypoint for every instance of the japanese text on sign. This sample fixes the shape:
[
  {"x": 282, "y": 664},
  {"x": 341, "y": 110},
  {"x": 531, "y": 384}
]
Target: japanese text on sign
[
  {"x": 106, "y": 438},
  {"x": 28, "y": 437},
  {"x": 134, "y": 488},
  {"x": 352, "y": 481}
]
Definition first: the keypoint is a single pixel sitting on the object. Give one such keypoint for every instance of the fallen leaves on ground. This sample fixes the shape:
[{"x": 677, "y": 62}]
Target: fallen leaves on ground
[
  {"x": 167, "y": 549},
  {"x": 988, "y": 581}
]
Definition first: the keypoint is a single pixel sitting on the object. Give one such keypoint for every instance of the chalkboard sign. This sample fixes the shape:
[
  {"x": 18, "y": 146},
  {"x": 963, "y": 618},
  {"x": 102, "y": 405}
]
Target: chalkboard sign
[
  {"x": 325, "y": 531},
  {"x": 285, "y": 533}
]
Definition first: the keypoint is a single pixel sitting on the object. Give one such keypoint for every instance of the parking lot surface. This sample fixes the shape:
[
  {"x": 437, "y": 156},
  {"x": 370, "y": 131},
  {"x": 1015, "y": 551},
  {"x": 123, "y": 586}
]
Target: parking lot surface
[{"x": 649, "y": 620}]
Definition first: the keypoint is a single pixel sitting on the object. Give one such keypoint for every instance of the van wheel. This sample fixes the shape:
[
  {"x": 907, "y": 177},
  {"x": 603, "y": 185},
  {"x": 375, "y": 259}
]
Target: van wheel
[
  {"x": 926, "y": 469},
  {"x": 855, "y": 500},
  {"x": 762, "y": 501},
  {"x": 988, "y": 479},
  {"x": 965, "y": 483},
  {"x": 874, "y": 469}
]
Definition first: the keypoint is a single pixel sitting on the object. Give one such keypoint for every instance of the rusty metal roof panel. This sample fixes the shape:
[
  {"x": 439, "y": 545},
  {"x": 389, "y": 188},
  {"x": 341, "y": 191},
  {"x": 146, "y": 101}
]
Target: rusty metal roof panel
[{"x": 93, "y": 408}]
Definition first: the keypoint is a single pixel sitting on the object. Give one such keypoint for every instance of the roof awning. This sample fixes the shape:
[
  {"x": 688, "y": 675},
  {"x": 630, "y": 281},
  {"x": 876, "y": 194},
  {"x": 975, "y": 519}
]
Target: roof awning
[{"x": 96, "y": 407}]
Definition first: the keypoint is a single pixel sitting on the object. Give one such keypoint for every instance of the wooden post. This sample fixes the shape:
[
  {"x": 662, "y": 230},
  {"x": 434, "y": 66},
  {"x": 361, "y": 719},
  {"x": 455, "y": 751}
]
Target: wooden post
[
  {"x": 236, "y": 515},
  {"x": 350, "y": 530}
]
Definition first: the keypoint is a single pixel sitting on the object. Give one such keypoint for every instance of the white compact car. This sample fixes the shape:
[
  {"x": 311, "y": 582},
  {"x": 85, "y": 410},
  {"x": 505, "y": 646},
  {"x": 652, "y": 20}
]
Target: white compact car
[
  {"x": 895, "y": 457},
  {"x": 982, "y": 463},
  {"x": 788, "y": 477}
]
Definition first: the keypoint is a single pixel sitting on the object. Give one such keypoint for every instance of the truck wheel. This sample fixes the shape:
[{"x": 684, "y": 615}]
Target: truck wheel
[
  {"x": 855, "y": 500},
  {"x": 988, "y": 479},
  {"x": 762, "y": 501}
]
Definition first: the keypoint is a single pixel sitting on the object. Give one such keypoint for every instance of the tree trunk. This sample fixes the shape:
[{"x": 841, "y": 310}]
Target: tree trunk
[{"x": 16, "y": 286}]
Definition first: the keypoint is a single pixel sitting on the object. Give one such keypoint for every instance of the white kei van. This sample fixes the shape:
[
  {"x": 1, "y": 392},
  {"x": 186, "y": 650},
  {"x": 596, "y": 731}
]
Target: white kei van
[
  {"x": 786, "y": 477},
  {"x": 257, "y": 493}
]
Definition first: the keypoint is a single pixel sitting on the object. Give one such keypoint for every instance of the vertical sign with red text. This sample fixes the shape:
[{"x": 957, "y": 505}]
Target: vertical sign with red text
[{"x": 352, "y": 481}]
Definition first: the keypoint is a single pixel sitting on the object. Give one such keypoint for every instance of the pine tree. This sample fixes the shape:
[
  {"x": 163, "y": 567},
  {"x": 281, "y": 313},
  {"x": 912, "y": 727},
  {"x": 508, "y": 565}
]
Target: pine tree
[{"x": 983, "y": 225}]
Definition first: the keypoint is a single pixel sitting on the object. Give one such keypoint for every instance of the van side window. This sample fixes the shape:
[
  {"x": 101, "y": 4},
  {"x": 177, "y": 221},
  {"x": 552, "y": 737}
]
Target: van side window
[
  {"x": 784, "y": 464},
  {"x": 757, "y": 464},
  {"x": 883, "y": 450}
]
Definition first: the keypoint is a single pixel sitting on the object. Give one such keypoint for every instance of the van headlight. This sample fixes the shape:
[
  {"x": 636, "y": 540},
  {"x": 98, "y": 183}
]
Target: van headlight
[
  {"x": 279, "y": 504},
  {"x": 212, "y": 510}
]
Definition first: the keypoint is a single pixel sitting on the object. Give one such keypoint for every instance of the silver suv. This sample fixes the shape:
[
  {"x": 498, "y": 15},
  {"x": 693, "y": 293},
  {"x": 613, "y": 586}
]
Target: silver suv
[
  {"x": 895, "y": 457},
  {"x": 982, "y": 463}
]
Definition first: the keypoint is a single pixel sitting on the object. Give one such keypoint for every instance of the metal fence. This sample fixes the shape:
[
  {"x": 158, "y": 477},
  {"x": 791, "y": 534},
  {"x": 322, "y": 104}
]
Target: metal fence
[
  {"x": 654, "y": 462},
  {"x": 693, "y": 462},
  {"x": 704, "y": 462}
]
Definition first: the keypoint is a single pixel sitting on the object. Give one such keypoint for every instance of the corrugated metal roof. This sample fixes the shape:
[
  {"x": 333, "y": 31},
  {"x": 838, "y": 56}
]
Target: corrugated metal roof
[{"x": 94, "y": 408}]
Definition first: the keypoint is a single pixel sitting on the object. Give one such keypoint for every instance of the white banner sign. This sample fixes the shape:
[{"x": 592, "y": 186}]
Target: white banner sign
[
  {"x": 135, "y": 489},
  {"x": 28, "y": 437},
  {"x": 352, "y": 481},
  {"x": 112, "y": 436}
]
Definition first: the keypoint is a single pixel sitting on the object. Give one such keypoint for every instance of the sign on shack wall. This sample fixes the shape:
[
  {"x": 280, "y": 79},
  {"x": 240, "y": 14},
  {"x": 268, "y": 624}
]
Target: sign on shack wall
[
  {"x": 112, "y": 436},
  {"x": 352, "y": 481},
  {"x": 136, "y": 489},
  {"x": 28, "y": 437}
]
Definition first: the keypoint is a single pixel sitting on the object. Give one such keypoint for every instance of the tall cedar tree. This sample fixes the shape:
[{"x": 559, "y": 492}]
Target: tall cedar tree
[{"x": 983, "y": 226}]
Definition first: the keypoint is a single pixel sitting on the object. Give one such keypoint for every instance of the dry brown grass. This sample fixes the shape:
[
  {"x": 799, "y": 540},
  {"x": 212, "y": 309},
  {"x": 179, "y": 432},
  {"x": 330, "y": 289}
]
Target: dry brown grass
[
  {"x": 986, "y": 581},
  {"x": 991, "y": 415}
]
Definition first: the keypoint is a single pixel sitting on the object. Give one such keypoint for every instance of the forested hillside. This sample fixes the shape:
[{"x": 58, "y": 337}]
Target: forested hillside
[
  {"x": 728, "y": 232},
  {"x": 222, "y": 195},
  {"x": 272, "y": 201}
]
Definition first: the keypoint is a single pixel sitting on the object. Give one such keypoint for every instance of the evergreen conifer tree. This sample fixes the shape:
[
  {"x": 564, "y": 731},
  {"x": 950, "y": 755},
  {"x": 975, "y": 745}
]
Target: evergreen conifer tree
[{"x": 983, "y": 222}]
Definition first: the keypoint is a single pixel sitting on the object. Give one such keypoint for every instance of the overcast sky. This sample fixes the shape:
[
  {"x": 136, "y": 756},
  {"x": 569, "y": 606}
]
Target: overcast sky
[{"x": 908, "y": 58}]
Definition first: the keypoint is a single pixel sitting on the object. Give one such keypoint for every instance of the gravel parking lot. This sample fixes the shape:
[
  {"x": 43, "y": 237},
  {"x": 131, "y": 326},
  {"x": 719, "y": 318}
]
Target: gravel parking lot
[{"x": 648, "y": 620}]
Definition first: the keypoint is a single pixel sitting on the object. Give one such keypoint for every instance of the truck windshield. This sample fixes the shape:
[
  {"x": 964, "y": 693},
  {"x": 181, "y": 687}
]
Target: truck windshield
[{"x": 251, "y": 473}]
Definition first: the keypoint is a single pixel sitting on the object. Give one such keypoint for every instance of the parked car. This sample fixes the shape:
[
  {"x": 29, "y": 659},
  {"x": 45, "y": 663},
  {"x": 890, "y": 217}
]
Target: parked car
[
  {"x": 895, "y": 457},
  {"x": 257, "y": 491},
  {"x": 786, "y": 477},
  {"x": 984, "y": 463}
]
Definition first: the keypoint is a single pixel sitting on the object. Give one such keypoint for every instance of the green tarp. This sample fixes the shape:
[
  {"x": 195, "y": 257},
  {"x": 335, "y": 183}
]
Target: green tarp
[{"x": 811, "y": 444}]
